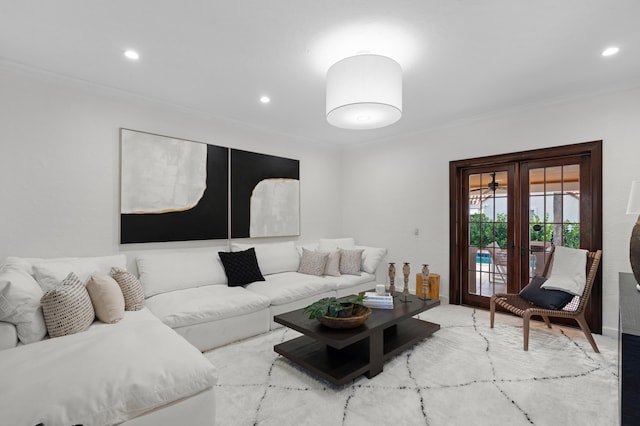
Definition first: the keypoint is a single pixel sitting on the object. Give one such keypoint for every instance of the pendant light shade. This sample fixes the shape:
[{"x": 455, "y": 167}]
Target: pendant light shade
[{"x": 364, "y": 92}]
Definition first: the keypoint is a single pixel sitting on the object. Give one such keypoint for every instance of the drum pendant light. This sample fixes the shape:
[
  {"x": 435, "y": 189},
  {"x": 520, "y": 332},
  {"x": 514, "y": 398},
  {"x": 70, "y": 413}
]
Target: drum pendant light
[{"x": 364, "y": 92}]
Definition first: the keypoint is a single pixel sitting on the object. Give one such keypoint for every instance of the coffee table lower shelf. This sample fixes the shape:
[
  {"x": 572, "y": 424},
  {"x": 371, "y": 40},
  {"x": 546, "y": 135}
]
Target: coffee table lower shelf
[{"x": 340, "y": 366}]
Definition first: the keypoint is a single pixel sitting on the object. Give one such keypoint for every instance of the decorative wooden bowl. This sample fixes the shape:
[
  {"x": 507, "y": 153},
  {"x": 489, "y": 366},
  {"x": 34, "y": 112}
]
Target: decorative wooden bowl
[{"x": 359, "y": 316}]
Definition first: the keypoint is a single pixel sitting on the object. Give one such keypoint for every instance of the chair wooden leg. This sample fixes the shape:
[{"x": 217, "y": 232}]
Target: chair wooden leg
[
  {"x": 587, "y": 332},
  {"x": 525, "y": 329},
  {"x": 546, "y": 320},
  {"x": 492, "y": 315}
]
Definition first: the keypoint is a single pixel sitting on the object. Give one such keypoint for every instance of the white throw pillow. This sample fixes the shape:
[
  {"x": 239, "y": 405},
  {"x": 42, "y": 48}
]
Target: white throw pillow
[
  {"x": 371, "y": 258},
  {"x": 163, "y": 272},
  {"x": 569, "y": 272},
  {"x": 328, "y": 244},
  {"x": 20, "y": 304},
  {"x": 50, "y": 272},
  {"x": 273, "y": 258}
]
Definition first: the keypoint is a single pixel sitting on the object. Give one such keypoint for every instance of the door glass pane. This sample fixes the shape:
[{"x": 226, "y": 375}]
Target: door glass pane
[
  {"x": 487, "y": 233},
  {"x": 554, "y": 201}
]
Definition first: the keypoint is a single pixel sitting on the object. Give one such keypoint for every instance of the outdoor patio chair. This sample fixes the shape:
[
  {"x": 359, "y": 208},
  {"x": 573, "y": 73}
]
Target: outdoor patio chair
[
  {"x": 499, "y": 262},
  {"x": 575, "y": 309}
]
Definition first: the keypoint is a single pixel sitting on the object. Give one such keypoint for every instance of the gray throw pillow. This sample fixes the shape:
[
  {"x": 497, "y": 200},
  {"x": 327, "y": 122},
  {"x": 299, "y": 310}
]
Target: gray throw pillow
[
  {"x": 313, "y": 262},
  {"x": 351, "y": 261}
]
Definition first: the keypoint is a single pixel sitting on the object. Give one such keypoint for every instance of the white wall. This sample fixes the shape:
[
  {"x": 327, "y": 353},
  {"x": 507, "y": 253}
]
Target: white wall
[
  {"x": 59, "y": 172},
  {"x": 60, "y": 159},
  {"x": 395, "y": 187}
]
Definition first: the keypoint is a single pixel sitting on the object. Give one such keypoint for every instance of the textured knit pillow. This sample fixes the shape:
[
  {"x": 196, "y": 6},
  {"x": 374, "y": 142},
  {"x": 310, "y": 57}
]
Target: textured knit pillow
[
  {"x": 241, "y": 267},
  {"x": 313, "y": 262},
  {"x": 332, "y": 268},
  {"x": 131, "y": 289},
  {"x": 544, "y": 298},
  {"x": 67, "y": 308},
  {"x": 351, "y": 261},
  {"x": 106, "y": 297}
]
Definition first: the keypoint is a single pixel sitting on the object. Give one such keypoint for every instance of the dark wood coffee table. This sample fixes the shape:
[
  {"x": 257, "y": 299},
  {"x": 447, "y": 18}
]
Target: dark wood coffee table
[{"x": 340, "y": 355}]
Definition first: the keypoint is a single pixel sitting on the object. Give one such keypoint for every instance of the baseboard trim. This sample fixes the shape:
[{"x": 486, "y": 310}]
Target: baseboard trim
[{"x": 610, "y": 332}]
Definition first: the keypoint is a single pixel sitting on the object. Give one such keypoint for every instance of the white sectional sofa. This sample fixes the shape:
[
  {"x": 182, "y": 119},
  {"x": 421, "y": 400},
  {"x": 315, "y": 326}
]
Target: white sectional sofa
[
  {"x": 139, "y": 371},
  {"x": 188, "y": 289}
]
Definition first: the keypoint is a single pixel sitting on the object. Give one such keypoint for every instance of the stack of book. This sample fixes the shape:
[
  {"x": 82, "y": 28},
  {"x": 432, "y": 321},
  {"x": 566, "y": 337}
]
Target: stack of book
[{"x": 378, "y": 301}]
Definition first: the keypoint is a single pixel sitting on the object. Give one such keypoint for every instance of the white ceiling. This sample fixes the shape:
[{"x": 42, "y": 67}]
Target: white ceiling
[{"x": 461, "y": 58}]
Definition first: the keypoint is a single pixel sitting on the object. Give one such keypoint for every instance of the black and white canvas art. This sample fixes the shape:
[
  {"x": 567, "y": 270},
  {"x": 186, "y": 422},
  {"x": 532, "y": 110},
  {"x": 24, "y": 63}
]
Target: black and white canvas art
[
  {"x": 265, "y": 195},
  {"x": 172, "y": 189}
]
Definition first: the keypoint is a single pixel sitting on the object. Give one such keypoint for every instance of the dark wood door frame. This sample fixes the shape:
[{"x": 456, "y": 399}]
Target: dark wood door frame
[{"x": 592, "y": 242}]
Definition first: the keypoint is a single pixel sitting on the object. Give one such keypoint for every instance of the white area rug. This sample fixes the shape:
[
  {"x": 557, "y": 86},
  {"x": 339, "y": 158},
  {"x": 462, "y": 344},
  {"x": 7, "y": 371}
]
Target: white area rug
[{"x": 465, "y": 374}]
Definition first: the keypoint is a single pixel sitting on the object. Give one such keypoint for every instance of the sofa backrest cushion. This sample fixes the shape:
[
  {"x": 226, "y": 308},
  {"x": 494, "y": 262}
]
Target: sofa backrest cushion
[
  {"x": 50, "y": 272},
  {"x": 273, "y": 258},
  {"x": 179, "y": 270},
  {"x": 328, "y": 244},
  {"x": 20, "y": 304},
  {"x": 371, "y": 258}
]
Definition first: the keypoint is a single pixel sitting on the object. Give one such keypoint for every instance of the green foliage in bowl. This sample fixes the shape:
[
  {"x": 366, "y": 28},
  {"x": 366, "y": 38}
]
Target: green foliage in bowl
[{"x": 330, "y": 306}]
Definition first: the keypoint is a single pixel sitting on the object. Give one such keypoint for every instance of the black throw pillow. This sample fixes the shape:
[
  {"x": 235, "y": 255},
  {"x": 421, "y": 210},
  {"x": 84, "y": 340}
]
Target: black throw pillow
[
  {"x": 241, "y": 267},
  {"x": 545, "y": 298}
]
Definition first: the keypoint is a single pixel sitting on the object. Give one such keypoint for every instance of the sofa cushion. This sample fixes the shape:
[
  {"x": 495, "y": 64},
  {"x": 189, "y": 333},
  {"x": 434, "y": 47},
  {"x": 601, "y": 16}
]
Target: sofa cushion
[
  {"x": 328, "y": 244},
  {"x": 347, "y": 281},
  {"x": 106, "y": 298},
  {"x": 273, "y": 258},
  {"x": 313, "y": 262},
  {"x": 241, "y": 267},
  {"x": 371, "y": 258},
  {"x": 288, "y": 287},
  {"x": 351, "y": 261},
  {"x": 20, "y": 304},
  {"x": 203, "y": 304},
  {"x": 177, "y": 270},
  {"x": 50, "y": 272},
  {"x": 131, "y": 289},
  {"x": 103, "y": 376},
  {"x": 67, "y": 308}
]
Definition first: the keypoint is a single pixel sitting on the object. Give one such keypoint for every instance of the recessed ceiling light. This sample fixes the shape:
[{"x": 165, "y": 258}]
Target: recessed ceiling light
[
  {"x": 132, "y": 54},
  {"x": 609, "y": 51},
  {"x": 265, "y": 99}
]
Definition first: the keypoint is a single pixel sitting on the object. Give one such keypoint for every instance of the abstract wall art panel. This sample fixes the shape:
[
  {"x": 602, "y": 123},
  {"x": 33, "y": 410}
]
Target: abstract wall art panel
[
  {"x": 172, "y": 189},
  {"x": 265, "y": 195}
]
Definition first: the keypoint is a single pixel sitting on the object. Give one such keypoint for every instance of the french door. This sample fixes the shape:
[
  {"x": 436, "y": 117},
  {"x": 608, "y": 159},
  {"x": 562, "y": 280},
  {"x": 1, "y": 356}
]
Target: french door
[
  {"x": 489, "y": 232},
  {"x": 508, "y": 211}
]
